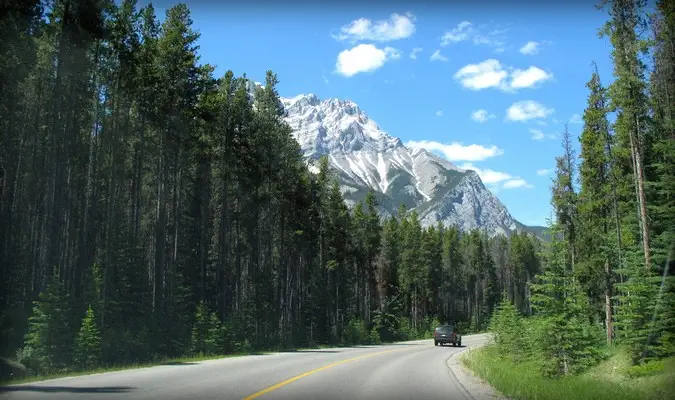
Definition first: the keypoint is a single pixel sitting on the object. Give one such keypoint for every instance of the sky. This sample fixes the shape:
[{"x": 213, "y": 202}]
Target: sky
[{"x": 488, "y": 85}]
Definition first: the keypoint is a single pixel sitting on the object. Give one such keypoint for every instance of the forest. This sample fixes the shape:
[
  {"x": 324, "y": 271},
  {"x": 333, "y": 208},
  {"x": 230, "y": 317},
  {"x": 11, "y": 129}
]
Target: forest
[
  {"x": 150, "y": 210},
  {"x": 606, "y": 282}
]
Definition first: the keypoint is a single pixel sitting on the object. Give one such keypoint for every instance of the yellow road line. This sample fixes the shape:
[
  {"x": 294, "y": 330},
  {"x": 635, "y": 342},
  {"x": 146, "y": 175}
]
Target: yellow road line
[{"x": 295, "y": 378}]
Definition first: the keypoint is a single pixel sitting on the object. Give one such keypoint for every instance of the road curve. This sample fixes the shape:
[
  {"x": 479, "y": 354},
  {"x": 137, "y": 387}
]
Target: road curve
[{"x": 407, "y": 370}]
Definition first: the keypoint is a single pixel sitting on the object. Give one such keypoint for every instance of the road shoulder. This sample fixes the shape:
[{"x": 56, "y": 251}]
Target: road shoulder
[{"x": 477, "y": 388}]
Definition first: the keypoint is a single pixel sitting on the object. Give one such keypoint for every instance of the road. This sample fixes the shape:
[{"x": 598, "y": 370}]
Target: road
[{"x": 408, "y": 370}]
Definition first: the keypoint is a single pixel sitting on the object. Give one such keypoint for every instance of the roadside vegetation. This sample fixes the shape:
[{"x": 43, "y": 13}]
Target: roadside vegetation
[
  {"x": 602, "y": 318},
  {"x": 612, "y": 379}
]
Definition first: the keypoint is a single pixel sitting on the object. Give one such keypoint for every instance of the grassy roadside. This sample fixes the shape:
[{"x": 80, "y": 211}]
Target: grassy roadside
[
  {"x": 612, "y": 379},
  {"x": 172, "y": 361}
]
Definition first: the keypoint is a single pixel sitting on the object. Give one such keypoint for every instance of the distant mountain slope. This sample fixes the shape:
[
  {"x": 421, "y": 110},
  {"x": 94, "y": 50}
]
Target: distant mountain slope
[{"x": 365, "y": 157}]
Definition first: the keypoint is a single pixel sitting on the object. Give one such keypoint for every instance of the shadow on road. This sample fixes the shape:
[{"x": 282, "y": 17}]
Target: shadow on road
[
  {"x": 377, "y": 346},
  {"x": 179, "y": 363},
  {"x": 66, "y": 389},
  {"x": 311, "y": 351}
]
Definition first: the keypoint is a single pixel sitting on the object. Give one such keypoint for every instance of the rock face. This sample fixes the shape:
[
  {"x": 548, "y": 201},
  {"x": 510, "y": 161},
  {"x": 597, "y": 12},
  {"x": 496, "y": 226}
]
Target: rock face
[{"x": 365, "y": 157}]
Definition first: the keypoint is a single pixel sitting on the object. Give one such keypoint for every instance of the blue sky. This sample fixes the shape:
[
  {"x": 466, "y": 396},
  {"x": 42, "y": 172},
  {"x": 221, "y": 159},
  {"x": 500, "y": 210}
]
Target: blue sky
[{"x": 487, "y": 100}]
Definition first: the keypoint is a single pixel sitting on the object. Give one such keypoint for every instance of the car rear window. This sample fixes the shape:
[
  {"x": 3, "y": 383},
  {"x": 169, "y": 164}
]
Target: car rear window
[{"x": 444, "y": 329}]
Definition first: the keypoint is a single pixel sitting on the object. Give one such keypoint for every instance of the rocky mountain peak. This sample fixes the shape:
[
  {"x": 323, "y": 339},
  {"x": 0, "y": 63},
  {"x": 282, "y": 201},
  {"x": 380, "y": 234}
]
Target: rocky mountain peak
[{"x": 365, "y": 158}]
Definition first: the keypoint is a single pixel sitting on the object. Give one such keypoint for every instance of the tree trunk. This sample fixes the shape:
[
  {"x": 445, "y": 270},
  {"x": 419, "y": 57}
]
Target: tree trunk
[
  {"x": 608, "y": 303},
  {"x": 639, "y": 175}
]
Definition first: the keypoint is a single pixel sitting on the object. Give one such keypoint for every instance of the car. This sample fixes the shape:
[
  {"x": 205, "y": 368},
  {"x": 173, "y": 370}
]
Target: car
[{"x": 444, "y": 334}]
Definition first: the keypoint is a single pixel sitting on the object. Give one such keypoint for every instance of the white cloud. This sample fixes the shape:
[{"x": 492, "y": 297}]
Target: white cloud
[
  {"x": 530, "y": 48},
  {"x": 413, "y": 53},
  {"x": 439, "y": 113},
  {"x": 465, "y": 31},
  {"x": 528, "y": 78},
  {"x": 576, "y": 119},
  {"x": 537, "y": 134},
  {"x": 481, "y": 116},
  {"x": 526, "y": 110},
  {"x": 488, "y": 176},
  {"x": 516, "y": 184},
  {"x": 543, "y": 171},
  {"x": 395, "y": 28},
  {"x": 460, "y": 33},
  {"x": 457, "y": 151},
  {"x": 492, "y": 74},
  {"x": 437, "y": 56},
  {"x": 486, "y": 74},
  {"x": 495, "y": 38},
  {"x": 497, "y": 180},
  {"x": 364, "y": 58}
]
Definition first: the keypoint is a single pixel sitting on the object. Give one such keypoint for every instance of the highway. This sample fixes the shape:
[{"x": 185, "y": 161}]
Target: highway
[{"x": 408, "y": 370}]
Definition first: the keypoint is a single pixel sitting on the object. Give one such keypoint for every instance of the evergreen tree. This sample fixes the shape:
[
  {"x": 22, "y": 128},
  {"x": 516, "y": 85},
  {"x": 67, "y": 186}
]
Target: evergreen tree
[
  {"x": 635, "y": 313},
  {"x": 510, "y": 335},
  {"x": 87, "y": 349},
  {"x": 628, "y": 98},
  {"x": 567, "y": 342},
  {"x": 564, "y": 196},
  {"x": 208, "y": 334},
  {"x": 597, "y": 252},
  {"x": 388, "y": 261},
  {"x": 662, "y": 203},
  {"x": 48, "y": 342},
  {"x": 453, "y": 278}
]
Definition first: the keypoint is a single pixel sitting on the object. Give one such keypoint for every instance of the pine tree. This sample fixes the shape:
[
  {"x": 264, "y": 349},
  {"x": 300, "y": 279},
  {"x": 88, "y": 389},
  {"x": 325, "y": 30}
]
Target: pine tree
[
  {"x": 87, "y": 349},
  {"x": 411, "y": 270},
  {"x": 639, "y": 296},
  {"x": 49, "y": 338},
  {"x": 510, "y": 335},
  {"x": 567, "y": 342},
  {"x": 388, "y": 261},
  {"x": 453, "y": 278},
  {"x": 208, "y": 334},
  {"x": 595, "y": 204},
  {"x": 564, "y": 196},
  {"x": 431, "y": 253},
  {"x": 629, "y": 100},
  {"x": 662, "y": 203}
]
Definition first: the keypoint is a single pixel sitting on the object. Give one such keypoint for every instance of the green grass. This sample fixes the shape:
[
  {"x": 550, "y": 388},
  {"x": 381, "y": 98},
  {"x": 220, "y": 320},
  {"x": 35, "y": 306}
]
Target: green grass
[
  {"x": 68, "y": 374},
  {"x": 613, "y": 379}
]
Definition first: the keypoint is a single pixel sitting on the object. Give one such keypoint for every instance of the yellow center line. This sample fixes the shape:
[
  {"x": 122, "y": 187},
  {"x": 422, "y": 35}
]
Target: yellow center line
[{"x": 295, "y": 378}]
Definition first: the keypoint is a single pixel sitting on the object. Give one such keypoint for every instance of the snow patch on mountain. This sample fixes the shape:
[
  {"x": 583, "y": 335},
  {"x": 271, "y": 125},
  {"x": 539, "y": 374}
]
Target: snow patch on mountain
[{"x": 365, "y": 157}]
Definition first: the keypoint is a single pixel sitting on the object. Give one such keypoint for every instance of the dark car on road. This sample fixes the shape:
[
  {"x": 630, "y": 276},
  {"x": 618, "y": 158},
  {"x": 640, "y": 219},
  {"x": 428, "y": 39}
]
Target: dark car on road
[{"x": 447, "y": 334}]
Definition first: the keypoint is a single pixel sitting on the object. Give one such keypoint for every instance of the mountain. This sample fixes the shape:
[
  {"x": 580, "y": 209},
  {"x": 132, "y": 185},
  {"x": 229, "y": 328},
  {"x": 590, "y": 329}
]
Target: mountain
[{"x": 365, "y": 157}]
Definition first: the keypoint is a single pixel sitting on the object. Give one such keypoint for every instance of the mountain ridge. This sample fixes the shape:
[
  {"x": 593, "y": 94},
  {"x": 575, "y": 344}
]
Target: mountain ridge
[{"x": 365, "y": 157}]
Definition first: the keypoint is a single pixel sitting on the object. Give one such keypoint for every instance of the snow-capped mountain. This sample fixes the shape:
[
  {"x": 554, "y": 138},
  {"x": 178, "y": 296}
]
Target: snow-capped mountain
[{"x": 365, "y": 157}]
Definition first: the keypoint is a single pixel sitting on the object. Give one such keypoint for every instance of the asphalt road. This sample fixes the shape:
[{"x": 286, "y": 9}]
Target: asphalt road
[{"x": 408, "y": 370}]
